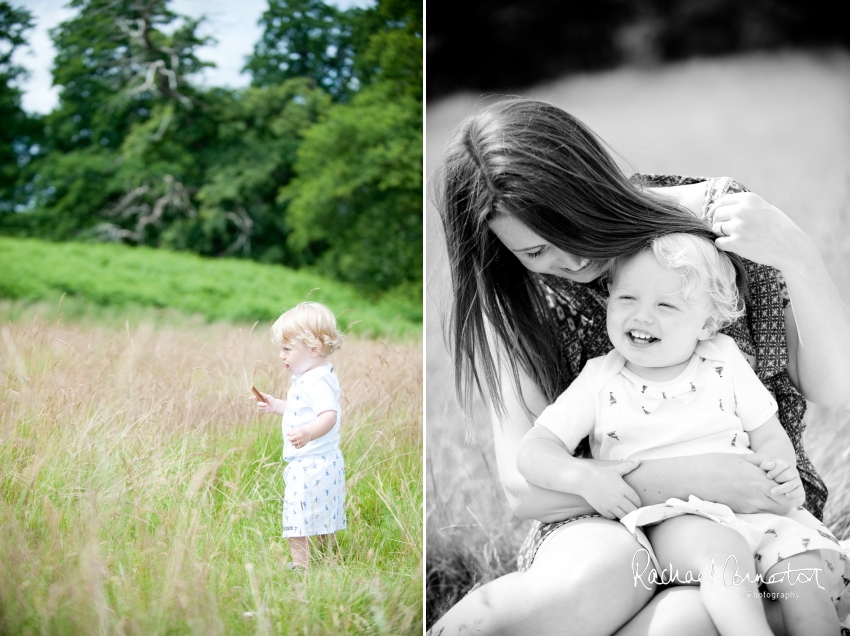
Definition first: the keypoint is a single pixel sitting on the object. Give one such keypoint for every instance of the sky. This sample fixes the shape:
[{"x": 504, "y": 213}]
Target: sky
[{"x": 232, "y": 22}]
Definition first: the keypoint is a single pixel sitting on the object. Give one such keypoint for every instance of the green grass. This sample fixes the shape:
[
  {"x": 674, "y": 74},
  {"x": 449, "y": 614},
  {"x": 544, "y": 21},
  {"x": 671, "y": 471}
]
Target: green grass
[
  {"x": 103, "y": 281},
  {"x": 140, "y": 492},
  {"x": 776, "y": 123}
]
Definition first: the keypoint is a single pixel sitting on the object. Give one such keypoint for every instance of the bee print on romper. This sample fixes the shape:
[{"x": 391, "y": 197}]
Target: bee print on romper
[
  {"x": 612, "y": 399},
  {"x": 719, "y": 371},
  {"x": 734, "y": 438},
  {"x": 613, "y": 434},
  {"x": 828, "y": 536}
]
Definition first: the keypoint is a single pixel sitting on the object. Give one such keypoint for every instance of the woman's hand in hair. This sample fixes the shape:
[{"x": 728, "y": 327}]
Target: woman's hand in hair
[
  {"x": 817, "y": 323},
  {"x": 756, "y": 230}
]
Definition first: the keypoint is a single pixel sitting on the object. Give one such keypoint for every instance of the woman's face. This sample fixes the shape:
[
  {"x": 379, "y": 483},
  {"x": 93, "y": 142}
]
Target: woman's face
[{"x": 539, "y": 255}]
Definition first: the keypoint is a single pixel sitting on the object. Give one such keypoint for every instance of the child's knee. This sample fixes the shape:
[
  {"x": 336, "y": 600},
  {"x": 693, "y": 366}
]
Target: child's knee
[
  {"x": 702, "y": 543},
  {"x": 720, "y": 542}
]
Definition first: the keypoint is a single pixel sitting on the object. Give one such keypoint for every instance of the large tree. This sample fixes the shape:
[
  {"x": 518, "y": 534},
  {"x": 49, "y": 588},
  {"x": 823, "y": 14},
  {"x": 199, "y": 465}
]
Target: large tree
[
  {"x": 18, "y": 132},
  {"x": 120, "y": 64},
  {"x": 114, "y": 62},
  {"x": 359, "y": 183},
  {"x": 244, "y": 152},
  {"x": 308, "y": 38}
]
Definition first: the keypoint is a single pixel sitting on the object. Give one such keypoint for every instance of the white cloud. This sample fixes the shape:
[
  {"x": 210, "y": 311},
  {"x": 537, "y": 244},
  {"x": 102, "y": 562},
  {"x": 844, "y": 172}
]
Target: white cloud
[
  {"x": 233, "y": 24},
  {"x": 37, "y": 58}
]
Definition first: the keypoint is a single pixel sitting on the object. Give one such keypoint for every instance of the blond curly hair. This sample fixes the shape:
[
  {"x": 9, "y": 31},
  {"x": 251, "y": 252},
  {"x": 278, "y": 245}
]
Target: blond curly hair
[
  {"x": 707, "y": 275},
  {"x": 311, "y": 323}
]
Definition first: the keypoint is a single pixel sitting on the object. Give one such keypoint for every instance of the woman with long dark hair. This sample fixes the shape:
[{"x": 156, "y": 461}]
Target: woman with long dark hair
[{"x": 532, "y": 207}]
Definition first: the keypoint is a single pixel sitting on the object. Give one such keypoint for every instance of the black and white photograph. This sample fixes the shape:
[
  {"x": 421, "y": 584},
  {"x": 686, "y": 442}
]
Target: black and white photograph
[{"x": 637, "y": 334}]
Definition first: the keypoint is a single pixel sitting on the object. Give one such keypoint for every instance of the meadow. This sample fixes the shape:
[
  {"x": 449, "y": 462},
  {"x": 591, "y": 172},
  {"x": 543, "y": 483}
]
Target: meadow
[
  {"x": 140, "y": 491},
  {"x": 779, "y": 124},
  {"x": 111, "y": 280}
]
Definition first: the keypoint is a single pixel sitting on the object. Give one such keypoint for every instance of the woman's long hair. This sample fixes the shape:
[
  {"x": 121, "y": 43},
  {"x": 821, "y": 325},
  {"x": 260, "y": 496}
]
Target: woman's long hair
[{"x": 542, "y": 166}]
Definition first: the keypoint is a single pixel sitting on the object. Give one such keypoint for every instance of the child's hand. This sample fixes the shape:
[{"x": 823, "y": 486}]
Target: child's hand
[
  {"x": 608, "y": 493},
  {"x": 789, "y": 486},
  {"x": 298, "y": 436},
  {"x": 265, "y": 407}
]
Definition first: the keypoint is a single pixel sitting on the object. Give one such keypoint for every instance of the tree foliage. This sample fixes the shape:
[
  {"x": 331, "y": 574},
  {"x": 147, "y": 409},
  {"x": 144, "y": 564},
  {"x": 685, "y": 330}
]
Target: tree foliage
[
  {"x": 360, "y": 170},
  {"x": 306, "y": 38},
  {"x": 18, "y": 132},
  {"x": 328, "y": 137}
]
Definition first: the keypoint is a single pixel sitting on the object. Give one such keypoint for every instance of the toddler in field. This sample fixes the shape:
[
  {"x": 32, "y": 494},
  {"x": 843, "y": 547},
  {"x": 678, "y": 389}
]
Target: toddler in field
[
  {"x": 672, "y": 387},
  {"x": 314, "y": 478}
]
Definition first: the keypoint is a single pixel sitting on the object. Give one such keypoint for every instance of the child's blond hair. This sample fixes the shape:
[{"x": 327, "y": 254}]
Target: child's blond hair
[
  {"x": 707, "y": 274},
  {"x": 311, "y": 323}
]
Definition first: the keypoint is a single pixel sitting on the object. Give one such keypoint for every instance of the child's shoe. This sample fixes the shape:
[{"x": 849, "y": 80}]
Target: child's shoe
[{"x": 296, "y": 567}]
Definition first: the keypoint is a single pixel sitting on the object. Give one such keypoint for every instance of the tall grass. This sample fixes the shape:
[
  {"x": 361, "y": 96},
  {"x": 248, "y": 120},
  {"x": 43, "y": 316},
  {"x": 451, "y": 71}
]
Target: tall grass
[
  {"x": 778, "y": 124},
  {"x": 140, "y": 492}
]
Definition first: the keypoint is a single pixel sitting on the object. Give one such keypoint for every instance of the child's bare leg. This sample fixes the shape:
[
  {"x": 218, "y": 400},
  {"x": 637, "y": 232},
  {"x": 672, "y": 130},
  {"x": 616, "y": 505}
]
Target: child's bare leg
[
  {"x": 300, "y": 549},
  {"x": 806, "y": 608},
  {"x": 328, "y": 545},
  {"x": 326, "y": 540},
  {"x": 690, "y": 544}
]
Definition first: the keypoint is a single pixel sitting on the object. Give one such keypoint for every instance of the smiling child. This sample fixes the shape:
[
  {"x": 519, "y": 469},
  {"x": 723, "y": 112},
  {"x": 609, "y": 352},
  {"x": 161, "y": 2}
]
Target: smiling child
[{"x": 673, "y": 386}]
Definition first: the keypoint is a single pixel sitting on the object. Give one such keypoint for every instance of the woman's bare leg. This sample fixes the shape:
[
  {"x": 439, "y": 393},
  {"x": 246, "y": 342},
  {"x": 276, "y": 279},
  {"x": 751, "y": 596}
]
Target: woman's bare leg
[{"x": 581, "y": 582}]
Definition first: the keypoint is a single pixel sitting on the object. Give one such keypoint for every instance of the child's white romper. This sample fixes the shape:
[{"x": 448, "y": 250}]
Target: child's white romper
[
  {"x": 708, "y": 408},
  {"x": 314, "y": 493}
]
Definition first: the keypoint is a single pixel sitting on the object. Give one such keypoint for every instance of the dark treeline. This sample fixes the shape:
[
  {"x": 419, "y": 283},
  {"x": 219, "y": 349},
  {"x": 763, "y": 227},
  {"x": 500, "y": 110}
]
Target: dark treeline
[
  {"x": 507, "y": 45},
  {"x": 317, "y": 163}
]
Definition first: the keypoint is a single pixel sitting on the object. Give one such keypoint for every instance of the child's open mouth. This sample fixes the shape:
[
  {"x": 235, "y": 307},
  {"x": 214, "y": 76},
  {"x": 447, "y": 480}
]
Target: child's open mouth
[{"x": 641, "y": 337}]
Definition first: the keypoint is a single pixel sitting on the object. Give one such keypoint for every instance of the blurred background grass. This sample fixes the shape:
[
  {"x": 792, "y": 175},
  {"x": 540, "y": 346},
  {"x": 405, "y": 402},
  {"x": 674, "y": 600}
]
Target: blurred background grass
[
  {"x": 106, "y": 279},
  {"x": 777, "y": 122}
]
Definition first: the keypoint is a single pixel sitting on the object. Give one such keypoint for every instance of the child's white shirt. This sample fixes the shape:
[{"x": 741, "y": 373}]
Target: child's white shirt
[
  {"x": 708, "y": 408},
  {"x": 311, "y": 393}
]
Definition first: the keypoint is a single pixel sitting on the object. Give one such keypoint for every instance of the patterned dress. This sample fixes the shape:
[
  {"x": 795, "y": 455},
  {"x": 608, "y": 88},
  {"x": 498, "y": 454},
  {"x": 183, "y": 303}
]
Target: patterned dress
[{"x": 579, "y": 314}]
